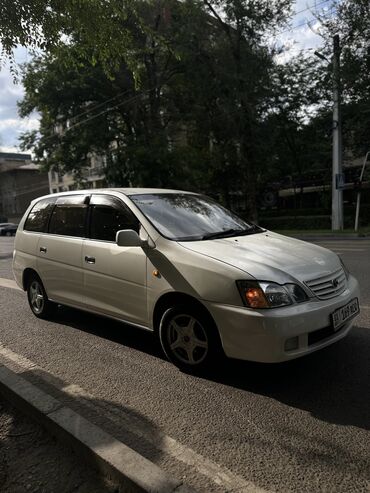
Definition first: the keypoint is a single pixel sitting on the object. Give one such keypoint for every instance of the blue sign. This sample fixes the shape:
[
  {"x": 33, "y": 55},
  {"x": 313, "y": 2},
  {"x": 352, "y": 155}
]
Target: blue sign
[{"x": 339, "y": 181}]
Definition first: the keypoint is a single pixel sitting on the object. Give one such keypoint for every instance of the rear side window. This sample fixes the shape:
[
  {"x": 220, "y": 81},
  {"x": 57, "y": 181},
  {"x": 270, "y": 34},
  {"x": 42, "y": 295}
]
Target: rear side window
[
  {"x": 69, "y": 216},
  {"x": 109, "y": 215},
  {"x": 38, "y": 218}
]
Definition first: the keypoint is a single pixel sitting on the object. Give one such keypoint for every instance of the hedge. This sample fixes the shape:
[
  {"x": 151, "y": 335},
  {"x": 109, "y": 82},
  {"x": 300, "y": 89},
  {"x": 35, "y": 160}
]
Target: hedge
[{"x": 306, "y": 222}]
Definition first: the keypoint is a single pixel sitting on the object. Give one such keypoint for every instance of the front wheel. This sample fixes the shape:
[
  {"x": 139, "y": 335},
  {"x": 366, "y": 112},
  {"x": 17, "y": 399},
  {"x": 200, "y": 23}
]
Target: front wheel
[
  {"x": 39, "y": 303},
  {"x": 189, "y": 339}
]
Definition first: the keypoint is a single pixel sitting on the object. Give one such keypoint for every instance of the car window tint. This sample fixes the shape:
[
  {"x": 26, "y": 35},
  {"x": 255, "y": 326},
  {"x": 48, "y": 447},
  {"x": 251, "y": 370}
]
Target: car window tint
[
  {"x": 69, "y": 216},
  {"x": 38, "y": 218},
  {"x": 109, "y": 215}
]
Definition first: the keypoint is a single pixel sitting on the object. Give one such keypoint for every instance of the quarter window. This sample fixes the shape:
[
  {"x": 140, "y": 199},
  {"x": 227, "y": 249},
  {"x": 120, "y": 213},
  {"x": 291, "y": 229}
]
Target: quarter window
[
  {"x": 109, "y": 215},
  {"x": 38, "y": 218},
  {"x": 69, "y": 216}
]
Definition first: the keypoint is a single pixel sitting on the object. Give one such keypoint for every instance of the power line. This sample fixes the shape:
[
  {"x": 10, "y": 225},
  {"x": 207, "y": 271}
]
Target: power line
[
  {"x": 99, "y": 105},
  {"x": 126, "y": 101},
  {"x": 107, "y": 110},
  {"x": 305, "y": 23},
  {"x": 311, "y": 7}
]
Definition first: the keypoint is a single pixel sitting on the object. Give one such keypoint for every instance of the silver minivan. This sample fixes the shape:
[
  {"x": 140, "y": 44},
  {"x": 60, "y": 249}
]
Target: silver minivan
[{"x": 207, "y": 282}]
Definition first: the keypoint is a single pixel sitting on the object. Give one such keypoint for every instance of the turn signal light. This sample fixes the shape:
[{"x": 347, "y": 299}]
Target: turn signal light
[{"x": 255, "y": 298}]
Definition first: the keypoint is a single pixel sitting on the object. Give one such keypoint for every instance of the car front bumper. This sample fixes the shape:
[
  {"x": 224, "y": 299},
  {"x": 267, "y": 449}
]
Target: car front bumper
[{"x": 281, "y": 334}]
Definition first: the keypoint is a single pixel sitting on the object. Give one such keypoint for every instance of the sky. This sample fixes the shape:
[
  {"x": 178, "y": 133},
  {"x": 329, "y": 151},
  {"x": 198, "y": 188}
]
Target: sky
[{"x": 303, "y": 37}]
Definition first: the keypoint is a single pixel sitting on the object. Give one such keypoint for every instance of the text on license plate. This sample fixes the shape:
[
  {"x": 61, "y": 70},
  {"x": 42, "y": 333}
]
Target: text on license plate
[{"x": 344, "y": 313}]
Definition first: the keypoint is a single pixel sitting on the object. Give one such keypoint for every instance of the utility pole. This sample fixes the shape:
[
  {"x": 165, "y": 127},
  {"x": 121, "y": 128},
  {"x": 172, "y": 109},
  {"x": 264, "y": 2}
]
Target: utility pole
[{"x": 337, "y": 177}]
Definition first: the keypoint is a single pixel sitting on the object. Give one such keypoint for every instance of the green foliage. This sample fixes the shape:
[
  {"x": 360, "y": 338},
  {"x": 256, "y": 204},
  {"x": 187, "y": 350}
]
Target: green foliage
[{"x": 188, "y": 96}]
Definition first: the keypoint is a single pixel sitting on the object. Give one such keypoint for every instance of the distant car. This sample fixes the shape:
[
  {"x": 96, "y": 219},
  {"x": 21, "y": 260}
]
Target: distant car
[{"x": 8, "y": 229}]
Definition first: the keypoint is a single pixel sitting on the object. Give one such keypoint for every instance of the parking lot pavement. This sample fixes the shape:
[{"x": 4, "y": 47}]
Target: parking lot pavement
[{"x": 301, "y": 426}]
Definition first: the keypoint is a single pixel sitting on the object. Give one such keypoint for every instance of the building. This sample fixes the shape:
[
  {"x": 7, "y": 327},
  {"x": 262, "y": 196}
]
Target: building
[
  {"x": 20, "y": 182},
  {"x": 92, "y": 177}
]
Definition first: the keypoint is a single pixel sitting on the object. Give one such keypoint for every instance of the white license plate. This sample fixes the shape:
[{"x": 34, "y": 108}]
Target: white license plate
[{"x": 345, "y": 313}]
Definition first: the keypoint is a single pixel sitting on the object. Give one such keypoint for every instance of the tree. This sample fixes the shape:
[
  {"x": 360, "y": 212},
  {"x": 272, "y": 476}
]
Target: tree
[
  {"x": 143, "y": 110},
  {"x": 200, "y": 70},
  {"x": 245, "y": 25}
]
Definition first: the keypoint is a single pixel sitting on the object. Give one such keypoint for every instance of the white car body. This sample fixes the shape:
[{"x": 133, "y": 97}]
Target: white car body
[{"x": 130, "y": 283}]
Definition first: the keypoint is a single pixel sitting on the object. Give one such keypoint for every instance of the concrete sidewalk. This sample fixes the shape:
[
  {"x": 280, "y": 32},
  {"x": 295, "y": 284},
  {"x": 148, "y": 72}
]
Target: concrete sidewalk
[
  {"x": 128, "y": 470},
  {"x": 32, "y": 461}
]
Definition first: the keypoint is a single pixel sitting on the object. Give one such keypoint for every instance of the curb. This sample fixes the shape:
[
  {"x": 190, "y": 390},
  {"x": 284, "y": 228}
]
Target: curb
[{"x": 111, "y": 458}]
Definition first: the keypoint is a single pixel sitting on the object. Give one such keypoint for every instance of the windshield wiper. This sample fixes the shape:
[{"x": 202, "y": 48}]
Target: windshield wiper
[
  {"x": 221, "y": 234},
  {"x": 232, "y": 232}
]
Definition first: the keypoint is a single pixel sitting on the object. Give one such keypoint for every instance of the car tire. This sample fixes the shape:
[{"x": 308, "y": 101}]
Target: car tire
[
  {"x": 8, "y": 233},
  {"x": 190, "y": 339},
  {"x": 38, "y": 300}
]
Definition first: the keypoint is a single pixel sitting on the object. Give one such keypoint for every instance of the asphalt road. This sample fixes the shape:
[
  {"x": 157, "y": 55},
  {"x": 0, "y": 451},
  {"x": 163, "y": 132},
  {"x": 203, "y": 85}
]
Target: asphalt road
[{"x": 301, "y": 426}]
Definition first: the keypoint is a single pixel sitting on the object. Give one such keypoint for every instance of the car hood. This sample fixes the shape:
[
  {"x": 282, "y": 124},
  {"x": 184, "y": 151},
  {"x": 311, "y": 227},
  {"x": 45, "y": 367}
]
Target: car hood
[{"x": 269, "y": 256}]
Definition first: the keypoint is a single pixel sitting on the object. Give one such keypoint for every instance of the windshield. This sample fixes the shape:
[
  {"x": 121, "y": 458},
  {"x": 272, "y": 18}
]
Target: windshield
[{"x": 188, "y": 217}]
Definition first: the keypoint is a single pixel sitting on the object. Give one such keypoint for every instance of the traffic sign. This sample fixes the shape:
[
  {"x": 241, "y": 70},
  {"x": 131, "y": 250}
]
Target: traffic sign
[{"x": 339, "y": 181}]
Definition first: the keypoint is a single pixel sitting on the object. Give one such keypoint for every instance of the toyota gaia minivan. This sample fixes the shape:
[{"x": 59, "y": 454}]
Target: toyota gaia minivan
[{"x": 207, "y": 282}]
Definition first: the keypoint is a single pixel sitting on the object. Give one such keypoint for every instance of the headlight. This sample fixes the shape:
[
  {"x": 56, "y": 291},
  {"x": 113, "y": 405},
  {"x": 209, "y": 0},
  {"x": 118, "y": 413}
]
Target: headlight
[
  {"x": 296, "y": 292},
  {"x": 269, "y": 294}
]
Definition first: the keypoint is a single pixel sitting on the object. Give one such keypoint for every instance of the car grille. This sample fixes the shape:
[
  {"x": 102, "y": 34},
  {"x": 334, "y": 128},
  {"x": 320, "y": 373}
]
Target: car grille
[{"x": 328, "y": 286}]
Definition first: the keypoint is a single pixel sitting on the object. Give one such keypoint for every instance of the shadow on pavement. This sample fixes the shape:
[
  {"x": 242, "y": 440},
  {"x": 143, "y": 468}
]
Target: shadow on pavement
[
  {"x": 31, "y": 460},
  {"x": 332, "y": 384},
  {"x": 121, "y": 422},
  {"x": 119, "y": 332}
]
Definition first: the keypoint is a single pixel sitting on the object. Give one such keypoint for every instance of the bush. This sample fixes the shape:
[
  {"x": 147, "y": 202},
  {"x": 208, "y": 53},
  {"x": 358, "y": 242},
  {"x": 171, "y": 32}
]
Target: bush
[
  {"x": 307, "y": 222},
  {"x": 307, "y": 219},
  {"x": 297, "y": 222}
]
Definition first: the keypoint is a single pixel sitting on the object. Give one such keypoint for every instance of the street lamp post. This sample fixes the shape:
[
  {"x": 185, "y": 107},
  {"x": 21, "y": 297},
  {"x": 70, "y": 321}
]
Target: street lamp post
[
  {"x": 337, "y": 193},
  {"x": 337, "y": 167}
]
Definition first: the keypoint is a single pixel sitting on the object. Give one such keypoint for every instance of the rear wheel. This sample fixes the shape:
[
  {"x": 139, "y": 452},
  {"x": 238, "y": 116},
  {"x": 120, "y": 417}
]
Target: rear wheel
[
  {"x": 189, "y": 339},
  {"x": 8, "y": 233},
  {"x": 39, "y": 303}
]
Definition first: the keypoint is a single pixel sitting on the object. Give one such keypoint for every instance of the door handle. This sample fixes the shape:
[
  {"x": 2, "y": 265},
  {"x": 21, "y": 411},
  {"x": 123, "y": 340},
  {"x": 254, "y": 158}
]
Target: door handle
[
  {"x": 43, "y": 249},
  {"x": 90, "y": 260}
]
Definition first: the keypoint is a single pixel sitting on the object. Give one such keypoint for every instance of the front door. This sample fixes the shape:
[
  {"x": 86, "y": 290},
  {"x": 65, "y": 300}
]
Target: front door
[{"x": 114, "y": 277}]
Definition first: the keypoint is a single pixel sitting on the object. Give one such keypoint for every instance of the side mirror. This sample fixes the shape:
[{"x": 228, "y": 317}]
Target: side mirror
[{"x": 128, "y": 238}]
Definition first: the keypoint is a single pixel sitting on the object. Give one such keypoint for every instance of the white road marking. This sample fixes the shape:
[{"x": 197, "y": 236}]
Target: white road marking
[
  {"x": 9, "y": 283},
  {"x": 218, "y": 474}
]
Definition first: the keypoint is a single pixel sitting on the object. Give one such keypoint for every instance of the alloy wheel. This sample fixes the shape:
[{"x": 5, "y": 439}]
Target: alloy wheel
[
  {"x": 37, "y": 299},
  {"x": 187, "y": 339}
]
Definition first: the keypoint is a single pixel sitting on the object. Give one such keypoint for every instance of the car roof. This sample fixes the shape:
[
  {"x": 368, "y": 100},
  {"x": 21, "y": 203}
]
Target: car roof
[{"x": 125, "y": 191}]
